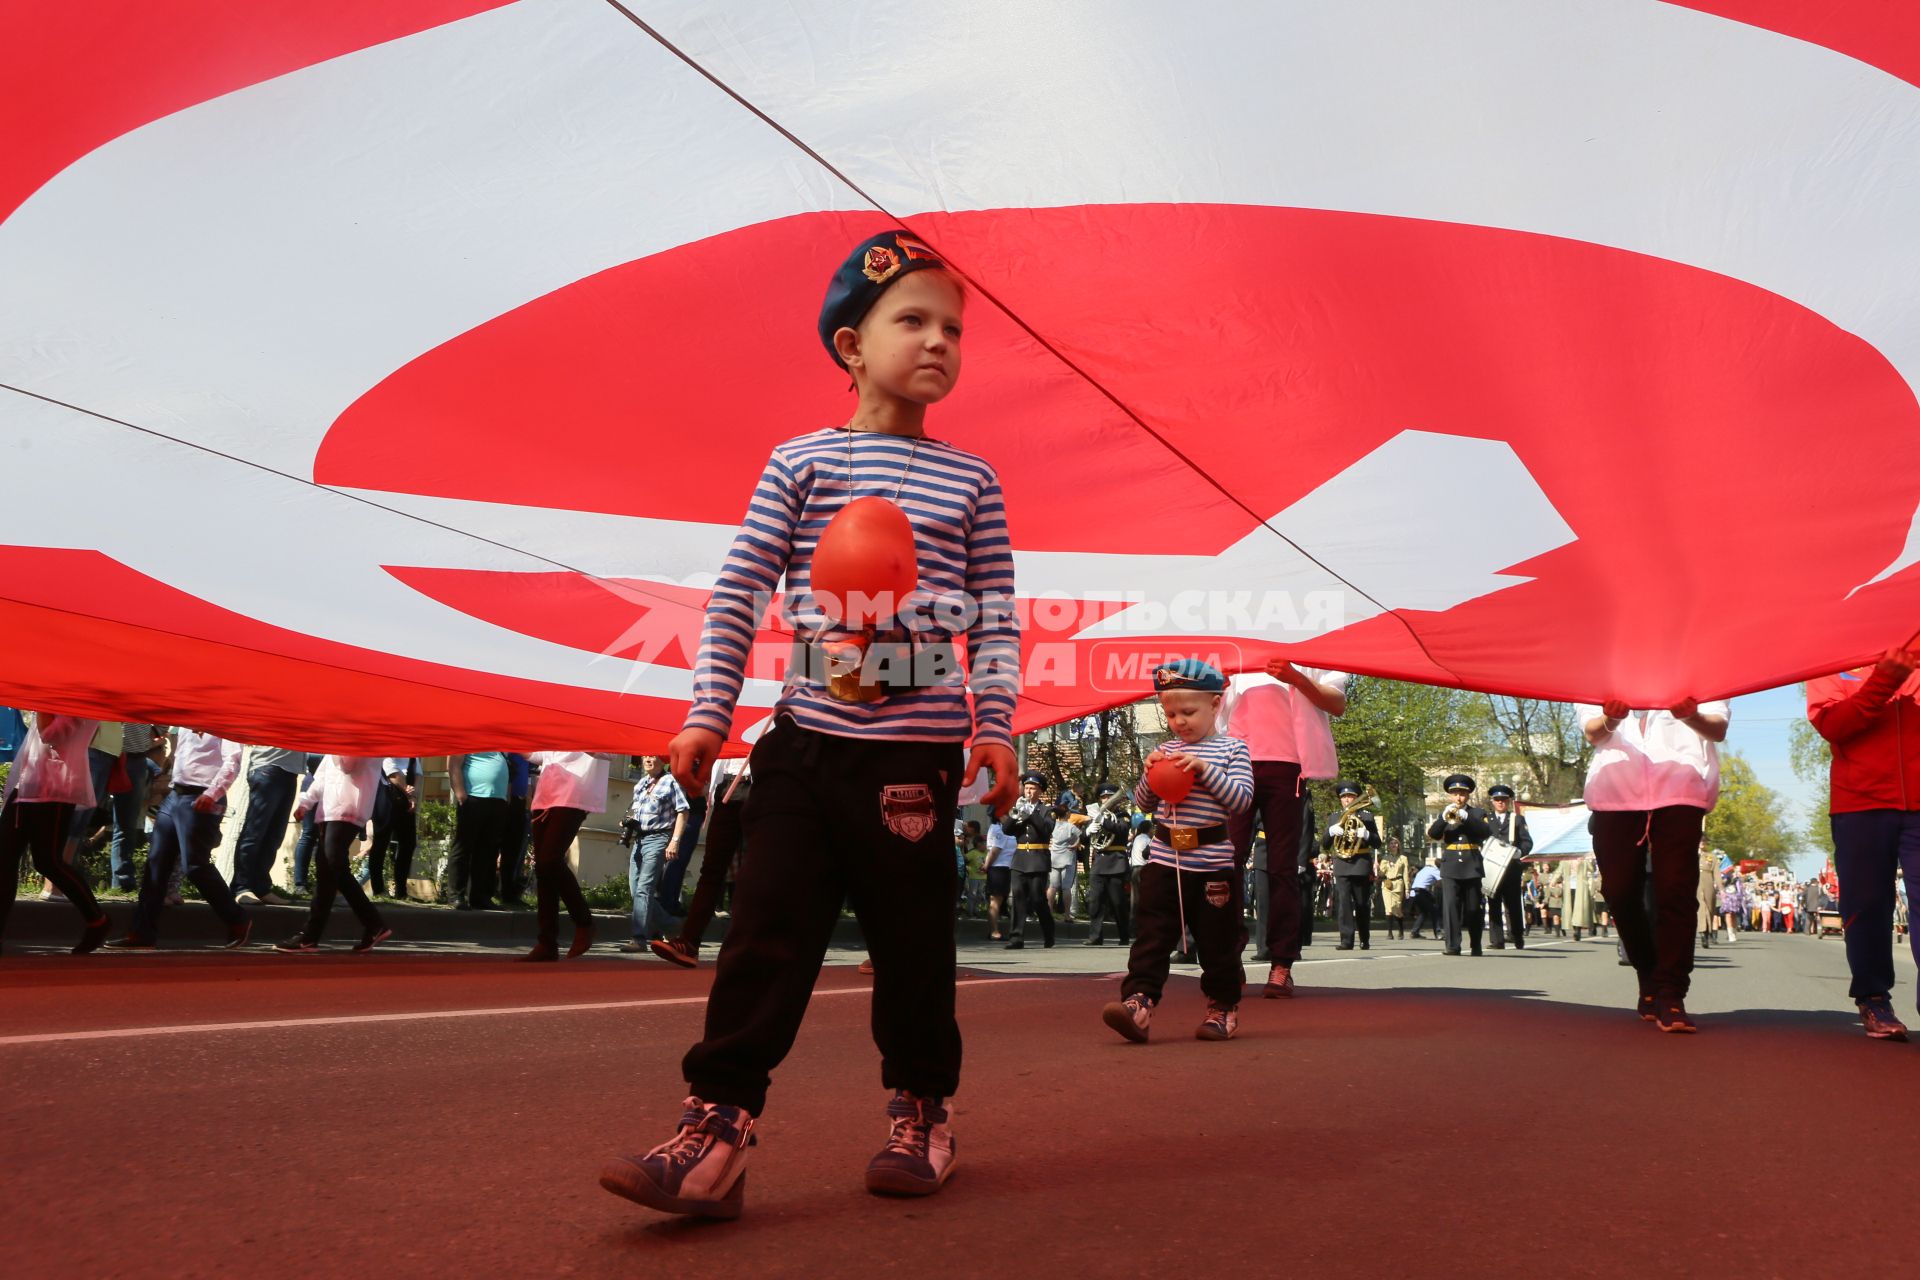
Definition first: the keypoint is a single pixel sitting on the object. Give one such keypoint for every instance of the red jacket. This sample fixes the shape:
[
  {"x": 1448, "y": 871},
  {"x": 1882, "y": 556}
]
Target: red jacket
[{"x": 1873, "y": 725}]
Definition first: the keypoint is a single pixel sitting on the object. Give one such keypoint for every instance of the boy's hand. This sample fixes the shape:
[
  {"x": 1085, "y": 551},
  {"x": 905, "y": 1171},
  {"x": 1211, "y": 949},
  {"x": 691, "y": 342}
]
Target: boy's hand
[
  {"x": 690, "y": 758},
  {"x": 1184, "y": 759},
  {"x": 999, "y": 759}
]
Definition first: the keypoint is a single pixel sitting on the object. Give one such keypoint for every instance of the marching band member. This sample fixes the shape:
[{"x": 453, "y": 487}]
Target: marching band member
[
  {"x": 1352, "y": 838},
  {"x": 1461, "y": 829}
]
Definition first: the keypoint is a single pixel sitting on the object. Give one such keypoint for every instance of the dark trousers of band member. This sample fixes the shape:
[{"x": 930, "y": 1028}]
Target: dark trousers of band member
[
  {"x": 1506, "y": 901},
  {"x": 38, "y": 828},
  {"x": 1107, "y": 896},
  {"x": 395, "y": 823},
  {"x": 183, "y": 834},
  {"x": 1213, "y": 918},
  {"x": 1868, "y": 848},
  {"x": 1353, "y": 899},
  {"x": 1660, "y": 945},
  {"x": 553, "y": 880},
  {"x": 478, "y": 825},
  {"x": 724, "y": 831},
  {"x": 1463, "y": 907},
  {"x": 1276, "y": 804},
  {"x": 832, "y": 819},
  {"x": 1030, "y": 899}
]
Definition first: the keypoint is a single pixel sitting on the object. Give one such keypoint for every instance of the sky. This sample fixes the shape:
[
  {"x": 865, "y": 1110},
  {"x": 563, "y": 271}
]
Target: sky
[{"x": 1758, "y": 732}]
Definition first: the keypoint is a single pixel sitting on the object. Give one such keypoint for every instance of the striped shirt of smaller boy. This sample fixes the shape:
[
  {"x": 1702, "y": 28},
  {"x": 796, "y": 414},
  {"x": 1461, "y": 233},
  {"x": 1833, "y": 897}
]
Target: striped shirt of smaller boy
[{"x": 1222, "y": 785}]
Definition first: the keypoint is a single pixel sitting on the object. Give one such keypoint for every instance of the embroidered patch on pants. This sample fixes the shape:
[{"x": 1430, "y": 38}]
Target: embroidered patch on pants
[
  {"x": 907, "y": 811},
  {"x": 1219, "y": 892}
]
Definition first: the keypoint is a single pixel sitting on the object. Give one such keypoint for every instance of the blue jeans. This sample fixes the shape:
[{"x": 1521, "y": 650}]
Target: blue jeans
[
  {"x": 1867, "y": 846},
  {"x": 183, "y": 837},
  {"x": 674, "y": 874},
  {"x": 269, "y": 803},
  {"x": 643, "y": 878},
  {"x": 303, "y": 851}
]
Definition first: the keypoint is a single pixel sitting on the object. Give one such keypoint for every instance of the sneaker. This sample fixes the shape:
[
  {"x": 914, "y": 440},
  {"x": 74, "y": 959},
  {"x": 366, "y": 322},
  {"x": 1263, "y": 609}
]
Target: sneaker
[
  {"x": 701, "y": 1170},
  {"x": 92, "y": 936},
  {"x": 299, "y": 942},
  {"x": 132, "y": 942},
  {"x": 238, "y": 935},
  {"x": 543, "y": 950},
  {"x": 634, "y": 946},
  {"x": 1670, "y": 1015},
  {"x": 918, "y": 1157},
  {"x": 1221, "y": 1022},
  {"x": 1129, "y": 1017},
  {"x": 247, "y": 898},
  {"x": 1876, "y": 1015},
  {"x": 866, "y": 965},
  {"x": 1646, "y": 1008},
  {"x": 1279, "y": 983},
  {"x": 372, "y": 938},
  {"x": 678, "y": 951},
  {"x": 582, "y": 941}
]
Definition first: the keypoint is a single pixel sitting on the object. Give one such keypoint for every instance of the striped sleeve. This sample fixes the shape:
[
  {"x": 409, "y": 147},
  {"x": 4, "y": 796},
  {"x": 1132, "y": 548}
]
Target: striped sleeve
[
  {"x": 754, "y": 563},
  {"x": 993, "y": 641},
  {"x": 1232, "y": 781}
]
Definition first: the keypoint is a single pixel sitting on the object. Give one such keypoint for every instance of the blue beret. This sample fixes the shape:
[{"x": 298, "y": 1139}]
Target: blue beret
[
  {"x": 875, "y": 263},
  {"x": 1188, "y": 673}
]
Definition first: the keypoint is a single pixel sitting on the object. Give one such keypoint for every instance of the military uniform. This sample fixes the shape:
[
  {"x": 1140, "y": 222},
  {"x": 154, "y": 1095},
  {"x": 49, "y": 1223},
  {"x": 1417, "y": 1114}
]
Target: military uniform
[
  {"x": 1108, "y": 829},
  {"x": 1353, "y": 877},
  {"x": 1512, "y": 827},
  {"x": 1396, "y": 882},
  {"x": 1461, "y": 868},
  {"x": 1030, "y": 823}
]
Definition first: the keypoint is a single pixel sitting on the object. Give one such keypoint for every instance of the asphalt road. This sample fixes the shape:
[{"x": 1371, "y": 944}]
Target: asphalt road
[{"x": 195, "y": 1113}]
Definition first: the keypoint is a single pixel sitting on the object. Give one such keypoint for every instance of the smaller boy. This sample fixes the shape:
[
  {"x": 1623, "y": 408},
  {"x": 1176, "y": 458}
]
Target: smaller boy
[{"x": 1190, "y": 874}]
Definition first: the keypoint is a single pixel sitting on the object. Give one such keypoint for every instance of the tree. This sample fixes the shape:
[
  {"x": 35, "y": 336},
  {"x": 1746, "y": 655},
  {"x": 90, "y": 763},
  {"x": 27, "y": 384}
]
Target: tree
[
  {"x": 1393, "y": 732},
  {"x": 1812, "y": 759},
  {"x": 1547, "y": 740},
  {"x": 1746, "y": 823}
]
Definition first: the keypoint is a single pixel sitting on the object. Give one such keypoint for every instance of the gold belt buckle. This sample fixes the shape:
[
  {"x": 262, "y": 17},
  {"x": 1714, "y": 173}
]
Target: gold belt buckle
[
  {"x": 1184, "y": 839},
  {"x": 845, "y": 662}
]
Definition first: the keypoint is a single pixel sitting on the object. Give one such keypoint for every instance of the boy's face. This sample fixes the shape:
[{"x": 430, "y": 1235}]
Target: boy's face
[
  {"x": 1190, "y": 713},
  {"x": 909, "y": 345}
]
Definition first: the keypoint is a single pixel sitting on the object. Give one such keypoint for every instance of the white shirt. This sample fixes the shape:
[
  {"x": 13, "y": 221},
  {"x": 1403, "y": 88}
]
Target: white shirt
[
  {"x": 1141, "y": 847},
  {"x": 1001, "y": 847},
  {"x": 343, "y": 789},
  {"x": 1061, "y": 844},
  {"x": 204, "y": 760},
  {"x": 1652, "y": 760},
  {"x": 52, "y": 765},
  {"x": 571, "y": 780},
  {"x": 1277, "y": 722}
]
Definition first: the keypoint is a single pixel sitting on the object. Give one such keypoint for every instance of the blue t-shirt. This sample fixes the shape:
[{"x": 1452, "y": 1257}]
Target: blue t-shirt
[
  {"x": 484, "y": 774},
  {"x": 519, "y": 771}
]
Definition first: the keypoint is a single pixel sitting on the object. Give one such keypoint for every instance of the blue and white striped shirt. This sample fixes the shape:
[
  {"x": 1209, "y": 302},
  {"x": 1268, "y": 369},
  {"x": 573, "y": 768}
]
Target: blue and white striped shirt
[
  {"x": 952, "y": 499},
  {"x": 1222, "y": 785}
]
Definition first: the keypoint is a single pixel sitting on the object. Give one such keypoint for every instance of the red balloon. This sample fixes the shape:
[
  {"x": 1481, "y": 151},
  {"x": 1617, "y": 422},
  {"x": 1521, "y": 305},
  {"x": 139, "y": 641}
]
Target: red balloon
[
  {"x": 866, "y": 564},
  {"x": 1168, "y": 780}
]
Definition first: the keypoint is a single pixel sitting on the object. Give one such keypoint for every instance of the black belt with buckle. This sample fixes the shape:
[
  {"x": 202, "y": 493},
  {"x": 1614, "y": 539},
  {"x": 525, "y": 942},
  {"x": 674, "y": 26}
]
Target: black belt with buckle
[
  {"x": 1178, "y": 837},
  {"x": 883, "y": 667}
]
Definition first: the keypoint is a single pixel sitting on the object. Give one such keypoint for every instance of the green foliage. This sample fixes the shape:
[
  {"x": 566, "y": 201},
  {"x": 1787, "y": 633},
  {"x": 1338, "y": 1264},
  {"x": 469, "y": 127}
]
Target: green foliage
[
  {"x": 612, "y": 894},
  {"x": 434, "y": 821},
  {"x": 1746, "y": 823},
  {"x": 1393, "y": 732}
]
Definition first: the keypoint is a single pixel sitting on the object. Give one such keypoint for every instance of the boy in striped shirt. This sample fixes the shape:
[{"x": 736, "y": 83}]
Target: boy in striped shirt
[
  {"x": 1190, "y": 874},
  {"x": 855, "y": 788}
]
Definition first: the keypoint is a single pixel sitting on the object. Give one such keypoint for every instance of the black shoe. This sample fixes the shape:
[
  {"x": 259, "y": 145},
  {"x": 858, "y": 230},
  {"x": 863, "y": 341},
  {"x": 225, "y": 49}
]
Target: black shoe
[
  {"x": 1671, "y": 1016},
  {"x": 1366, "y": 946},
  {"x": 373, "y": 938},
  {"x": 1016, "y": 944},
  {"x": 1091, "y": 942},
  {"x": 238, "y": 935},
  {"x": 1451, "y": 951},
  {"x": 1477, "y": 951},
  {"x": 299, "y": 943},
  {"x": 92, "y": 936},
  {"x": 1345, "y": 946},
  {"x": 543, "y": 950},
  {"x": 582, "y": 941},
  {"x": 1645, "y": 1008},
  {"x": 1259, "y": 957}
]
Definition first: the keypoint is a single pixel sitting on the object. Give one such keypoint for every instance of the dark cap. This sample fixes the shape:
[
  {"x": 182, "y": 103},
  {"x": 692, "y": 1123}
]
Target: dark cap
[
  {"x": 875, "y": 263},
  {"x": 1348, "y": 789},
  {"x": 1034, "y": 779},
  {"x": 1188, "y": 673},
  {"x": 1459, "y": 782},
  {"x": 1500, "y": 791},
  {"x": 1107, "y": 789}
]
